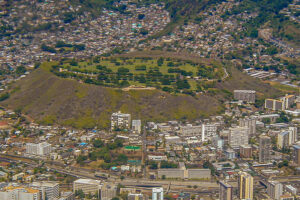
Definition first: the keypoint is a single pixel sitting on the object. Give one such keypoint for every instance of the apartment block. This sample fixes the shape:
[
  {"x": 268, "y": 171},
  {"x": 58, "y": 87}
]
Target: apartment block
[
  {"x": 48, "y": 189},
  {"x": 19, "y": 193},
  {"x": 274, "y": 189},
  {"x": 249, "y": 123},
  {"x": 245, "y": 186},
  {"x": 245, "y": 95},
  {"x": 87, "y": 186},
  {"x": 238, "y": 136},
  {"x": 225, "y": 191},
  {"x": 136, "y": 126},
  {"x": 264, "y": 149},
  {"x": 157, "y": 193},
  {"x": 296, "y": 154},
  {"x": 108, "y": 191},
  {"x": 245, "y": 151},
  {"x": 40, "y": 149},
  {"x": 120, "y": 120}
]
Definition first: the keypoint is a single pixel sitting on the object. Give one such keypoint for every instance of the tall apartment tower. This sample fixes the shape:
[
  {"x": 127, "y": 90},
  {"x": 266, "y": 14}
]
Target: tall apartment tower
[
  {"x": 264, "y": 149},
  {"x": 225, "y": 192},
  {"x": 157, "y": 193},
  {"x": 293, "y": 135},
  {"x": 245, "y": 185},
  {"x": 296, "y": 154},
  {"x": 238, "y": 136},
  {"x": 274, "y": 189},
  {"x": 249, "y": 123}
]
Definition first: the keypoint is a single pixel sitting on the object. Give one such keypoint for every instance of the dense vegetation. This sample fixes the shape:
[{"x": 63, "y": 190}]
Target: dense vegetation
[{"x": 105, "y": 152}]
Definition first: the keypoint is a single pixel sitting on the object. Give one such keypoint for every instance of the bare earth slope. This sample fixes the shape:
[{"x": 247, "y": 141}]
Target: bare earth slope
[{"x": 47, "y": 98}]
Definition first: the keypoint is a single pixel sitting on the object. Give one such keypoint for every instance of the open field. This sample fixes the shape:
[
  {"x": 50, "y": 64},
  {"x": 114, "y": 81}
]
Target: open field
[{"x": 119, "y": 72}]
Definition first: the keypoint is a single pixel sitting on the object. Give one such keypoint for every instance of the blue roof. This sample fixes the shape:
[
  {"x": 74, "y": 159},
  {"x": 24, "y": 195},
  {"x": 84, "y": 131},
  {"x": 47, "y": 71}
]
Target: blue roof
[{"x": 83, "y": 144}]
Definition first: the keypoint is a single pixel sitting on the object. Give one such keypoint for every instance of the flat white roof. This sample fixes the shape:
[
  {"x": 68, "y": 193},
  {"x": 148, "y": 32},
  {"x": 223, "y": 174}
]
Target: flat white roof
[{"x": 88, "y": 181}]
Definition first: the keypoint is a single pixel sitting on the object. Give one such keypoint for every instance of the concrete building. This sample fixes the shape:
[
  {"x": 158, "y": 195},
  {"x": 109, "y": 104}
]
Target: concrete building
[
  {"x": 293, "y": 135},
  {"x": 199, "y": 174},
  {"x": 249, "y": 123},
  {"x": 120, "y": 120},
  {"x": 274, "y": 104},
  {"x": 245, "y": 95},
  {"x": 190, "y": 130},
  {"x": 157, "y": 193},
  {"x": 87, "y": 186},
  {"x": 19, "y": 193},
  {"x": 48, "y": 189},
  {"x": 291, "y": 189},
  {"x": 288, "y": 100},
  {"x": 40, "y": 149},
  {"x": 283, "y": 139},
  {"x": 287, "y": 197},
  {"x": 245, "y": 186},
  {"x": 230, "y": 154},
  {"x": 67, "y": 196},
  {"x": 170, "y": 173},
  {"x": 238, "y": 136},
  {"x": 108, "y": 191},
  {"x": 132, "y": 196},
  {"x": 217, "y": 142},
  {"x": 296, "y": 154},
  {"x": 264, "y": 149},
  {"x": 274, "y": 189},
  {"x": 181, "y": 173},
  {"x": 225, "y": 191},
  {"x": 208, "y": 131},
  {"x": 136, "y": 126},
  {"x": 245, "y": 151}
]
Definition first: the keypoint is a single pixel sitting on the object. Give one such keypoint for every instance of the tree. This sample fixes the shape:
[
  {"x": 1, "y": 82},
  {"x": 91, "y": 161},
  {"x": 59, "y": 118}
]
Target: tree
[
  {"x": 283, "y": 163},
  {"x": 141, "y": 16},
  {"x": 282, "y": 118},
  {"x": 98, "y": 143},
  {"x": 79, "y": 193},
  {"x": 266, "y": 120},
  {"x": 4, "y": 96},
  {"x": 21, "y": 70},
  {"x": 160, "y": 61},
  {"x": 144, "y": 31}
]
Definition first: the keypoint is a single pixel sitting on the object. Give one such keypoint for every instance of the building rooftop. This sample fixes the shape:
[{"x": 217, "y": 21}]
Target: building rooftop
[{"x": 88, "y": 181}]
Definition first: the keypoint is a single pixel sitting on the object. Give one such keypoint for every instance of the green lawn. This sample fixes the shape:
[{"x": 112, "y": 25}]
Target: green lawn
[{"x": 156, "y": 71}]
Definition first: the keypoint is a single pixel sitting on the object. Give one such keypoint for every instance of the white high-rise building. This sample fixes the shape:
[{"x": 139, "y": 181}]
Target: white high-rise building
[
  {"x": 208, "y": 132},
  {"x": 249, "y": 123},
  {"x": 157, "y": 193},
  {"x": 238, "y": 136},
  {"x": 293, "y": 135},
  {"x": 120, "y": 120},
  {"x": 40, "y": 149},
  {"x": 275, "y": 189},
  {"x": 48, "y": 189},
  {"x": 137, "y": 126}
]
